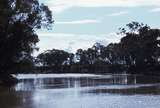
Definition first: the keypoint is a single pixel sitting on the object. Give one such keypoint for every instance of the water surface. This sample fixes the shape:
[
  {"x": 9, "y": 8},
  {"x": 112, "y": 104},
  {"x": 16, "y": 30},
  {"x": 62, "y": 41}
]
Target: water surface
[{"x": 82, "y": 91}]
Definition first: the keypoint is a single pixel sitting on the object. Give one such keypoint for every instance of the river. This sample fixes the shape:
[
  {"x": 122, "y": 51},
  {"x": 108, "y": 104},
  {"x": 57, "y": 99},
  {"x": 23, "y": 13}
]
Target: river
[{"x": 82, "y": 91}]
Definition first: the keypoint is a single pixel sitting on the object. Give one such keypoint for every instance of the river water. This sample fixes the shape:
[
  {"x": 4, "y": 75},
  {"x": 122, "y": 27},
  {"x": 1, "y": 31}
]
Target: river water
[{"x": 82, "y": 91}]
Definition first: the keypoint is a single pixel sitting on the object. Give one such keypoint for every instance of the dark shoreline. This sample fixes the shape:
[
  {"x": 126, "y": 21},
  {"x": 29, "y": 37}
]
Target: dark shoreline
[
  {"x": 99, "y": 69},
  {"x": 8, "y": 80}
]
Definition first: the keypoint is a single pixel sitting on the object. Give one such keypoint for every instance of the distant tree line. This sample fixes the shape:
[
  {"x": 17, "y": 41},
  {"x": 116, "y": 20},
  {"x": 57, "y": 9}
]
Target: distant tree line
[{"x": 137, "y": 51}]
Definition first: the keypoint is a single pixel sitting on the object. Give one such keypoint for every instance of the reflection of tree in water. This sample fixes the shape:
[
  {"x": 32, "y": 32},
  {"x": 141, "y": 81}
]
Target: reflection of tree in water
[
  {"x": 143, "y": 90},
  {"x": 34, "y": 92},
  {"x": 15, "y": 99},
  {"x": 53, "y": 83}
]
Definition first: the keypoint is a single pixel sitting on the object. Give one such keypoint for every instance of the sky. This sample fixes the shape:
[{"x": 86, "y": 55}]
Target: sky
[{"x": 81, "y": 23}]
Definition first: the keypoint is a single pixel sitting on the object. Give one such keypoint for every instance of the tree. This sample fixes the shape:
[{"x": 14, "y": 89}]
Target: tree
[
  {"x": 54, "y": 57},
  {"x": 19, "y": 20},
  {"x": 81, "y": 56},
  {"x": 91, "y": 55},
  {"x": 139, "y": 46}
]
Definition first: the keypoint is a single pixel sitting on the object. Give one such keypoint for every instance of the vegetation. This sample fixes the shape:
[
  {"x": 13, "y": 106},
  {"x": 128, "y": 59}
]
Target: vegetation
[
  {"x": 55, "y": 59},
  {"x": 19, "y": 19},
  {"x": 137, "y": 52}
]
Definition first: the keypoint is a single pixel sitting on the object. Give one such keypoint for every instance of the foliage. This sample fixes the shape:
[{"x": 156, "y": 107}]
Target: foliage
[
  {"x": 19, "y": 19},
  {"x": 139, "y": 48},
  {"x": 54, "y": 57}
]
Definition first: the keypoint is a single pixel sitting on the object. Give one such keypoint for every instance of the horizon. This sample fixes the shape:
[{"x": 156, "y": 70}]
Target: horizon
[{"x": 82, "y": 23}]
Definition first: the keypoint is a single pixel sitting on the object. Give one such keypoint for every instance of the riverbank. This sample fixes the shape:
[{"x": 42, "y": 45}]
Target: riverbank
[
  {"x": 95, "y": 69},
  {"x": 77, "y": 68},
  {"x": 7, "y": 80}
]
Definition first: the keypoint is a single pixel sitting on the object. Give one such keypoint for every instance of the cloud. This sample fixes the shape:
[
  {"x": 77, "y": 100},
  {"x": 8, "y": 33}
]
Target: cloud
[
  {"x": 58, "y": 6},
  {"x": 119, "y": 13},
  {"x": 72, "y": 42},
  {"x": 111, "y": 37},
  {"x": 155, "y": 10},
  {"x": 86, "y": 21}
]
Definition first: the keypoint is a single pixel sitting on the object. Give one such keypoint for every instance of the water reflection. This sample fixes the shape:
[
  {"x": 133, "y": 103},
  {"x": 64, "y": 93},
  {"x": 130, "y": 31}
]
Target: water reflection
[
  {"x": 116, "y": 84},
  {"x": 100, "y": 91},
  {"x": 84, "y": 82}
]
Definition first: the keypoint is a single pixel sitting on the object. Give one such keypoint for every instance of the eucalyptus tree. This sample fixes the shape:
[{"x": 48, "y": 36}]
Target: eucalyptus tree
[
  {"x": 54, "y": 57},
  {"x": 19, "y": 20},
  {"x": 140, "y": 45},
  {"x": 82, "y": 57}
]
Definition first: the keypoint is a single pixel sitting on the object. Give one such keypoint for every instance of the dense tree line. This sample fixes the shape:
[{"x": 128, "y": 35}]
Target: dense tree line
[{"x": 139, "y": 49}]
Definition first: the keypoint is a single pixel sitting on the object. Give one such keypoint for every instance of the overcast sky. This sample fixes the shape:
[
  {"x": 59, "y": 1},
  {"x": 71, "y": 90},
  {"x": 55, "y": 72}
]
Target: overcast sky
[{"x": 81, "y": 23}]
